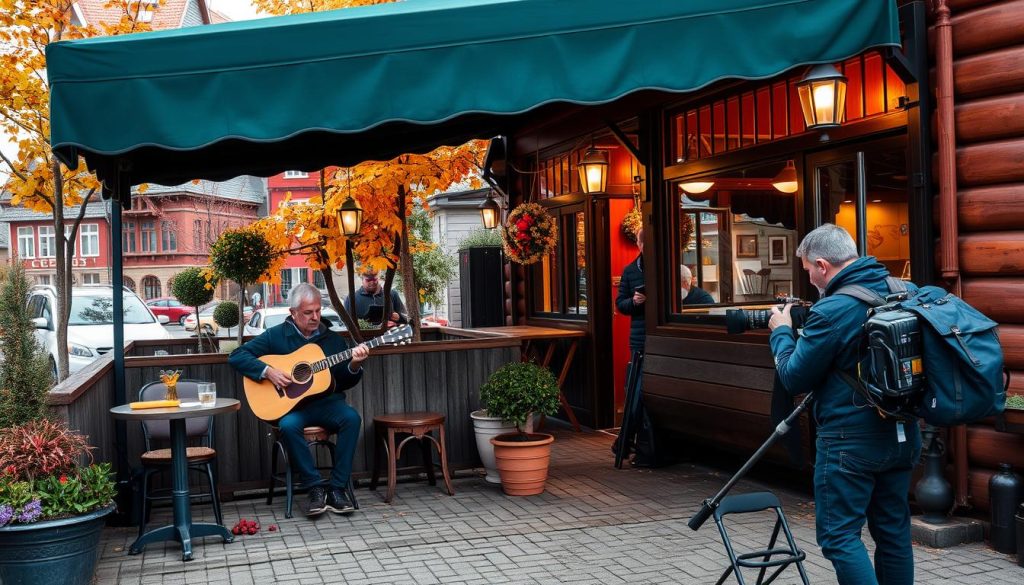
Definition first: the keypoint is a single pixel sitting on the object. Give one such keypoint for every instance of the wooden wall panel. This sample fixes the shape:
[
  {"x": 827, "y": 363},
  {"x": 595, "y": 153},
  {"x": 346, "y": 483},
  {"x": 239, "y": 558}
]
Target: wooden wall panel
[
  {"x": 992, "y": 208},
  {"x": 1012, "y": 339},
  {"x": 994, "y": 73},
  {"x": 712, "y": 372},
  {"x": 990, "y": 27},
  {"x": 987, "y": 447},
  {"x": 992, "y": 253},
  {"x": 990, "y": 163},
  {"x": 731, "y": 397},
  {"x": 958, "y": 6},
  {"x": 1001, "y": 299},
  {"x": 991, "y": 118},
  {"x": 749, "y": 354}
]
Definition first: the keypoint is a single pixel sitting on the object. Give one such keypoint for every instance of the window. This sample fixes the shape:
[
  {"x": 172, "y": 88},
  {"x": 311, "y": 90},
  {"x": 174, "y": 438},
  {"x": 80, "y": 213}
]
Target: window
[
  {"x": 146, "y": 9},
  {"x": 318, "y": 280},
  {"x": 733, "y": 243},
  {"x": 169, "y": 236},
  {"x": 150, "y": 287},
  {"x": 560, "y": 279},
  {"x": 89, "y": 240},
  {"x": 47, "y": 242},
  {"x": 26, "y": 242},
  {"x": 286, "y": 282},
  {"x": 130, "y": 283},
  {"x": 128, "y": 237},
  {"x": 43, "y": 279},
  {"x": 148, "y": 237},
  {"x": 295, "y": 175},
  {"x": 90, "y": 278},
  {"x": 197, "y": 234}
]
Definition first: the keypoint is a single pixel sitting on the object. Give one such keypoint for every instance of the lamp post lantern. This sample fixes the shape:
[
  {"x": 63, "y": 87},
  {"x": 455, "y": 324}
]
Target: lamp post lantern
[{"x": 822, "y": 94}]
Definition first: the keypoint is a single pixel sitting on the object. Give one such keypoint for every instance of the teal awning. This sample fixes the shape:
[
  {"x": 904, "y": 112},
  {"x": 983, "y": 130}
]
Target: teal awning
[{"x": 299, "y": 92}]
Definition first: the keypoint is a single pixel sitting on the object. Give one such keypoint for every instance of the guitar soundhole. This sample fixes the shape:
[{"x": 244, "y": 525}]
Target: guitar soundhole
[{"x": 302, "y": 373}]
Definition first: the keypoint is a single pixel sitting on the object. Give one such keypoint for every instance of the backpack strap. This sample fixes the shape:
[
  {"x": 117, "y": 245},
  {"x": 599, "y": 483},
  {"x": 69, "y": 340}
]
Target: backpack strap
[{"x": 869, "y": 296}]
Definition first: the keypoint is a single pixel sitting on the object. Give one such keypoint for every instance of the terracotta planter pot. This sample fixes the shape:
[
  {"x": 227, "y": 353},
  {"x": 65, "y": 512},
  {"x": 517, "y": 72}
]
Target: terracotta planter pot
[{"x": 523, "y": 465}]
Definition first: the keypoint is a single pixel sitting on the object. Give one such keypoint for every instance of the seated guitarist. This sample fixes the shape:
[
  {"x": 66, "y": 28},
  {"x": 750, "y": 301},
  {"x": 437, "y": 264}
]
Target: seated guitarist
[{"x": 328, "y": 410}]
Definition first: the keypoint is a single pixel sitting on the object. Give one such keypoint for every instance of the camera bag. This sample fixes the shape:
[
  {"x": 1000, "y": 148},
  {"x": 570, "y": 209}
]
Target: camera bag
[{"x": 962, "y": 360}]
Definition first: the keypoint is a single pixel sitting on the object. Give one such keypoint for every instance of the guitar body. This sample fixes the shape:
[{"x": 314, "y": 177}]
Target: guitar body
[{"x": 270, "y": 403}]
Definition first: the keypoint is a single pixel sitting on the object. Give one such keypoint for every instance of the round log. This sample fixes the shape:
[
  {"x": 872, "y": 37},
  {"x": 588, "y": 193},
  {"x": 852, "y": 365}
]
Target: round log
[
  {"x": 998, "y": 298},
  {"x": 987, "y": 447},
  {"x": 992, "y": 118},
  {"x": 1011, "y": 337},
  {"x": 1016, "y": 382},
  {"x": 958, "y": 6},
  {"x": 992, "y": 73},
  {"x": 997, "y": 207},
  {"x": 977, "y": 486},
  {"x": 991, "y": 27},
  {"x": 991, "y": 162},
  {"x": 992, "y": 253}
]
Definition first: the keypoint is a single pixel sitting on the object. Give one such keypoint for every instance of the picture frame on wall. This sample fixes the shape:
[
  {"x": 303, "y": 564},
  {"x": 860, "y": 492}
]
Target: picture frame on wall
[
  {"x": 746, "y": 246},
  {"x": 778, "y": 250},
  {"x": 782, "y": 288}
]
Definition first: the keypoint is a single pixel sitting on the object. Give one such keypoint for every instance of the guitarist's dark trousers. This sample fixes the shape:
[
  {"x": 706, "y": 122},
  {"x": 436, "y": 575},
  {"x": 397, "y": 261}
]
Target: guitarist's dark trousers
[{"x": 333, "y": 413}]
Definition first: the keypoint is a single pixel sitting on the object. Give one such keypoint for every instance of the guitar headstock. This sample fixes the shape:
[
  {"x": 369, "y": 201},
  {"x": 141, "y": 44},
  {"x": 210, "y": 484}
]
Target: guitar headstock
[{"x": 397, "y": 335}]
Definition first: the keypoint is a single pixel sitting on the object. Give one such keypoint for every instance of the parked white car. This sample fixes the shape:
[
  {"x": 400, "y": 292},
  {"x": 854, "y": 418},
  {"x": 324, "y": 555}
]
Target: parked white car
[
  {"x": 264, "y": 319},
  {"x": 91, "y": 323}
]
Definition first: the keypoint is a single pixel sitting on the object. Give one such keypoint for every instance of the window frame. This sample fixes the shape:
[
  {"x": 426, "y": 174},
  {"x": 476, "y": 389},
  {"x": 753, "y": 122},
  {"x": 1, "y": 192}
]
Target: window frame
[
  {"x": 49, "y": 238},
  {"x": 93, "y": 234},
  {"x": 26, "y": 241},
  {"x": 565, "y": 212}
]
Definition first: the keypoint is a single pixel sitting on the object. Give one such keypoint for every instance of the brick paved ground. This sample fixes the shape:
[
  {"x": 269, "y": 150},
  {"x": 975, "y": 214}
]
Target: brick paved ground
[{"x": 594, "y": 524}]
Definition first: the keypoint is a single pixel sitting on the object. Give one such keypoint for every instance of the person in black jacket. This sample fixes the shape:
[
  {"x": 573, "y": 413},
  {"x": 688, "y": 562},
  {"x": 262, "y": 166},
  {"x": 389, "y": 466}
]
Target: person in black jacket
[
  {"x": 692, "y": 295},
  {"x": 328, "y": 410},
  {"x": 632, "y": 296}
]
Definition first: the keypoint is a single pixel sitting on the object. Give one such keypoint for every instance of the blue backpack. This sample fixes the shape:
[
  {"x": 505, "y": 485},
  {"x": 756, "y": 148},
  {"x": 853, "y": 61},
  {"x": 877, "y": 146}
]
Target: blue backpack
[{"x": 944, "y": 364}]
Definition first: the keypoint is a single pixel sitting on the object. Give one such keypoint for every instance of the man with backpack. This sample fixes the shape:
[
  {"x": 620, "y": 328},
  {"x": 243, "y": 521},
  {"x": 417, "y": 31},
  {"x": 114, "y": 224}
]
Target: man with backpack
[{"x": 864, "y": 460}]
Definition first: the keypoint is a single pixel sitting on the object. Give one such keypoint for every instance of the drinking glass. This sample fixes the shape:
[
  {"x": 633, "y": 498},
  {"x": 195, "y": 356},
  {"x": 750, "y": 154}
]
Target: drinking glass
[{"x": 207, "y": 394}]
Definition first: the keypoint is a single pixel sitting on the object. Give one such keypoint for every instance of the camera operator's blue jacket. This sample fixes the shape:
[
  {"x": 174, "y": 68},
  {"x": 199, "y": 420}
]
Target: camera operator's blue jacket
[{"x": 829, "y": 342}]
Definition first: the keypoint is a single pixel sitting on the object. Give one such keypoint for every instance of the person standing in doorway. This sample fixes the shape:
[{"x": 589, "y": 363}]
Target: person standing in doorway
[{"x": 633, "y": 296}]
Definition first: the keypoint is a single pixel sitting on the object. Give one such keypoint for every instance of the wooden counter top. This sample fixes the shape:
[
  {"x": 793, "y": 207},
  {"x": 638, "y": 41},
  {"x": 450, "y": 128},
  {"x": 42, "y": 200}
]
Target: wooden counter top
[{"x": 529, "y": 332}]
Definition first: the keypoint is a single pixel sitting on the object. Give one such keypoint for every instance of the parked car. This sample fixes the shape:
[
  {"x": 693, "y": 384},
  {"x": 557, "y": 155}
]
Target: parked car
[
  {"x": 170, "y": 306},
  {"x": 91, "y": 322},
  {"x": 264, "y": 319},
  {"x": 206, "y": 321}
]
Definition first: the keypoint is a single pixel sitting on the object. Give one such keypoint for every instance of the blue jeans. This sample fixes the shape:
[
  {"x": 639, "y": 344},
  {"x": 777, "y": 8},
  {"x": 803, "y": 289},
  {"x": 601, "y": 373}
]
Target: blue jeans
[
  {"x": 866, "y": 477},
  {"x": 333, "y": 414}
]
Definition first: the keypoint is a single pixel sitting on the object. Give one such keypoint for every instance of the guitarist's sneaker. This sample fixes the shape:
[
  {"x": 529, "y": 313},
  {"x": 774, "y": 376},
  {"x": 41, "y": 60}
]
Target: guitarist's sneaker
[
  {"x": 338, "y": 502},
  {"x": 316, "y": 503}
]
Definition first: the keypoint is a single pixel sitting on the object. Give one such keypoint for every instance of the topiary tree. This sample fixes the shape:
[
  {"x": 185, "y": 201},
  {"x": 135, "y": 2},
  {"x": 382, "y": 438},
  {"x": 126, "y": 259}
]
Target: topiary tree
[
  {"x": 226, "y": 315},
  {"x": 518, "y": 389},
  {"x": 190, "y": 288},
  {"x": 243, "y": 255},
  {"x": 26, "y": 374}
]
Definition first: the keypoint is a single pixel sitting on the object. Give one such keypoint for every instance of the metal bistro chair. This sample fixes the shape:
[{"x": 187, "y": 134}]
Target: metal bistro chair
[
  {"x": 201, "y": 457},
  {"x": 317, "y": 438},
  {"x": 778, "y": 557}
]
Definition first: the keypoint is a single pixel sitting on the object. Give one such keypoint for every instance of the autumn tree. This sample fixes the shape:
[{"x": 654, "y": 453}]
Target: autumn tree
[{"x": 37, "y": 180}]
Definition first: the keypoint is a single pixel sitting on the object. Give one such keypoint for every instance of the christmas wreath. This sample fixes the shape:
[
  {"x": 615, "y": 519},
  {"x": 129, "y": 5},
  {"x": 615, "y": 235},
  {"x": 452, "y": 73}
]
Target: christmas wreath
[
  {"x": 529, "y": 234},
  {"x": 631, "y": 223}
]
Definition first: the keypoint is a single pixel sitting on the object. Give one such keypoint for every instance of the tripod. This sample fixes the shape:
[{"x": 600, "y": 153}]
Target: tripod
[{"x": 720, "y": 505}]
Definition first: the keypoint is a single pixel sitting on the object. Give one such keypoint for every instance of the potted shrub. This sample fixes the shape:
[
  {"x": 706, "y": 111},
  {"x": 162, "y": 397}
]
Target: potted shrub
[
  {"x": 225, "y": 315},
  {"x": 52, "y": 510},
  {"x": 513, "y": 393}
]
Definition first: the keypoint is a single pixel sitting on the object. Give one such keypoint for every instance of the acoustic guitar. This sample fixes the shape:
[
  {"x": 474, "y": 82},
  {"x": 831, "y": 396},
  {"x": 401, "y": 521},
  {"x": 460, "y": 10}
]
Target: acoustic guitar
[{"x": 309, "y": 370}]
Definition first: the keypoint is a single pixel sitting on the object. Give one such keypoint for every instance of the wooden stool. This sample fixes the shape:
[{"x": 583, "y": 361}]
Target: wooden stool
[
  {"x": 418, "y": 425},
  {"x": 316, "y": 438}
]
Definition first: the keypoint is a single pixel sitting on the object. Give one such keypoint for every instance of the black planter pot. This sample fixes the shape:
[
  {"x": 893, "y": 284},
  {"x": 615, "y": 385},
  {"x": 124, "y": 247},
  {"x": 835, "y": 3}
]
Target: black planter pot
[{"x": 51, "y": 552}]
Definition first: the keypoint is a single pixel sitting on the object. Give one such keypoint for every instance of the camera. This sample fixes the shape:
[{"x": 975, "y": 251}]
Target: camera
[{"x": 743, "y": 320}]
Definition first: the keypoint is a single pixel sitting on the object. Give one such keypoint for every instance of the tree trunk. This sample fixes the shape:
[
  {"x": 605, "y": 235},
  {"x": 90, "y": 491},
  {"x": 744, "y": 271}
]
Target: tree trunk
[
  {"x": 412, "y": 295},
  {"x": 241, "y": 310},
  {"x": 64, "y": 252}
]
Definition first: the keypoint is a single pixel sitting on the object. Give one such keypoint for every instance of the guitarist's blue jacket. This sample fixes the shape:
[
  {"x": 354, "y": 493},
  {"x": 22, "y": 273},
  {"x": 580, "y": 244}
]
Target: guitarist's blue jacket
[{"x": 285, "y": 338}]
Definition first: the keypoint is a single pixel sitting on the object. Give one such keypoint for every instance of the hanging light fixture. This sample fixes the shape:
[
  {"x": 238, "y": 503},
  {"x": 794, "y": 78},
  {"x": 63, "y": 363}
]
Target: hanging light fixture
[
  {"x": 822, "y": 94},
  {"x": 594, "y": 170},
  {"x": 490, "y": 211},
  {"x": 350, "y": 214},
  {"x": 786, "y": 181},
  {"x": 696, "y": 187}
]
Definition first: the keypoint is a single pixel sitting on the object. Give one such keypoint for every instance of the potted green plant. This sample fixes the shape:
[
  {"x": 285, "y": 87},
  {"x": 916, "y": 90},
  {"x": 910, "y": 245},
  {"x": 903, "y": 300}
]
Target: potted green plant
[
  {"x": 513, "y": 393},
  {"x": 52, "y": 509},
  {"x": 190, "y": 288},
  {"x": 226, "y": 315}
]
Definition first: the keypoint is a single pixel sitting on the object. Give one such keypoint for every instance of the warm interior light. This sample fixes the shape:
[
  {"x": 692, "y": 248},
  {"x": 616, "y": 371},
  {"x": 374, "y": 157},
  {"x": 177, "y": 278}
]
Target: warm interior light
[
  {"x": 696, "y": 187},
  {"x": 490, "y": 211},
  {"x": 786, "y": 181},
  {"x": 350, "y": 216},
  {"x": 822, "y": 95},
  {"x": 594, "y": 171}
]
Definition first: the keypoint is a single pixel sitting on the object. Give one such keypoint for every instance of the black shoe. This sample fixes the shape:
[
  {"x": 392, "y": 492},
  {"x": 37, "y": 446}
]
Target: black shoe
[
  {"x": 315, "y": 505},
  {"x": 338, "y": 502}
]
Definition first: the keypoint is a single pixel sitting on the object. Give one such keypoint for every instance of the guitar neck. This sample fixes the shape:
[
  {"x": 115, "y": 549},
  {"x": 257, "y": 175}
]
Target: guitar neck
[{"x": 333, "y": 360}]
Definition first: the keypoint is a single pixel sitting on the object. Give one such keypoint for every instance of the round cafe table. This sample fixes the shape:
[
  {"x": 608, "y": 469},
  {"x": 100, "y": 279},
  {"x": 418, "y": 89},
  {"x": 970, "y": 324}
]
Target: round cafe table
[{"x": 182, "y": 530}]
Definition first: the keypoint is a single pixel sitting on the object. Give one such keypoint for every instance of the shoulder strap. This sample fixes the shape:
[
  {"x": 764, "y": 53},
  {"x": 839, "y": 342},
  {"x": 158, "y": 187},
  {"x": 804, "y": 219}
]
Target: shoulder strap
[
  {"x": 895, "y": 284},
  {"x": 869, "y": 296}
]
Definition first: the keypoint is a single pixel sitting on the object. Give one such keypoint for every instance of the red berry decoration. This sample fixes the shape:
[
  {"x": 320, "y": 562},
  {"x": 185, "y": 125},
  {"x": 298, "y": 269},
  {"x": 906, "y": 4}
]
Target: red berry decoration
[{"x": 273, "y": 528}]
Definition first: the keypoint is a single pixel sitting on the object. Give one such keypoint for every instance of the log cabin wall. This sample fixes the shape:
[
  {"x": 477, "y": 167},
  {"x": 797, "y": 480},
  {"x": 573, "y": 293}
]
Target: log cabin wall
[{"x": 988, "y": 79}]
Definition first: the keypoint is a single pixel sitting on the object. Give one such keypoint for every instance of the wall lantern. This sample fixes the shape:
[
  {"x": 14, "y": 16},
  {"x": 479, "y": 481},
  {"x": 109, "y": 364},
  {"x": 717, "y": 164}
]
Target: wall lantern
[
  {"x": 594, "y": 170},
  {"x": 696, "y": 187},
  {"x": 786, "y": 181},
  {"x": 350, "y": 217},
  {"x": 822, "y": 94},
  {"x": 490, "y": 211}
]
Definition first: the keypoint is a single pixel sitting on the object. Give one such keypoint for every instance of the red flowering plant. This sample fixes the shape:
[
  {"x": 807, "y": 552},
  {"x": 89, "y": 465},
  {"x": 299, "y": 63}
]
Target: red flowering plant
[
  {"x": 529, "y": 234},
  {"x": 41, "y": 476}
]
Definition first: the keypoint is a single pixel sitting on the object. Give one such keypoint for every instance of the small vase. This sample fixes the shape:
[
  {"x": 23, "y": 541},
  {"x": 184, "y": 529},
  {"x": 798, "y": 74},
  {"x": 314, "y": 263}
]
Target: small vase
[{"x": 172, "y": 392}]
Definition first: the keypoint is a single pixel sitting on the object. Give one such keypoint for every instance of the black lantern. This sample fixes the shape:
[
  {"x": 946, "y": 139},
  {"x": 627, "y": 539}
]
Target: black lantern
[
  {"x": 350, "y": 217},
  {"x": 490, "y": 212},
  {"x": 822, "y": 97},
  {"x": 594, "y": 170}
]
